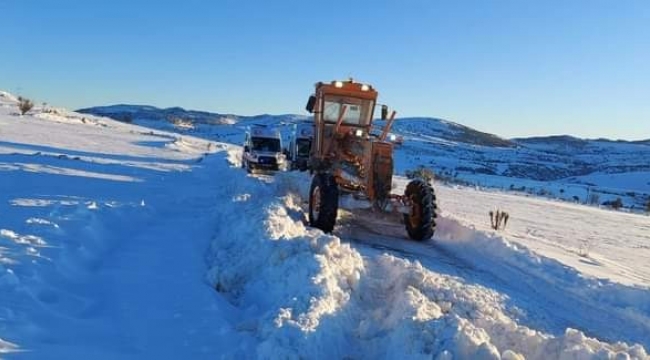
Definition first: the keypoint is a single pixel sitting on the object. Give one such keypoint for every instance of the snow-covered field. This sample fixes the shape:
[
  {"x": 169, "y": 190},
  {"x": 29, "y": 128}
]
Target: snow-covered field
[{"x": 120, "y": 242}]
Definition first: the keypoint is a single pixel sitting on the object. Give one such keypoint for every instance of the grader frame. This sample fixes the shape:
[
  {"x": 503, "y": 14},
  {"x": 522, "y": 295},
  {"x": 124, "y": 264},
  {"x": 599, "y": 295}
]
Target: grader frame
[{"x": 350, "y": 159}]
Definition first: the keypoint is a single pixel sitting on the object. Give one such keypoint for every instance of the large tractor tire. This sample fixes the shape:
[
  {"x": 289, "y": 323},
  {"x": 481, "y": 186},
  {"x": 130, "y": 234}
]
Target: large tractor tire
[
  {"x": 323, "y": 202},
  {"x": 421, "y": 222}
]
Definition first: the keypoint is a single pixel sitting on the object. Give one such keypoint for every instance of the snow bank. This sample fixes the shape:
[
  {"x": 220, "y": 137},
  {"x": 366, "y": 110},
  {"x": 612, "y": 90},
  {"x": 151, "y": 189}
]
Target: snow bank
[
  {"x": 7, "y": 347},
  {"x": 419, "y": 313},
  {"x": 610, "y": 309},
  {"x": 288, "y": 280},
  {"x": 8, "y": 97},
  {"x": 304, "y": 294}
]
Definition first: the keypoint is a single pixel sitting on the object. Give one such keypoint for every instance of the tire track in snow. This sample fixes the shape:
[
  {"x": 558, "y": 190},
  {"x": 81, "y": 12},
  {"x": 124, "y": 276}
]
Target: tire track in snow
[{"x": 547, "y": 305}]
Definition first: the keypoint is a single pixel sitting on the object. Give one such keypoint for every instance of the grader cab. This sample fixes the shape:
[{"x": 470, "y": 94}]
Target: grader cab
[{"x": 349, "y": 159}]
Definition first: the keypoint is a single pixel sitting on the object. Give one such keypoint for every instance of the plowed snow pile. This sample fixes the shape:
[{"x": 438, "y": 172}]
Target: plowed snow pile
[{"x": 310, "y": 295}]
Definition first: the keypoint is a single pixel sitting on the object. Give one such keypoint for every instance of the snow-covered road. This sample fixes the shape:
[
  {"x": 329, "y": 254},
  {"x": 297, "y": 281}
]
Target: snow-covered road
[{"x": 104, "y": 230}]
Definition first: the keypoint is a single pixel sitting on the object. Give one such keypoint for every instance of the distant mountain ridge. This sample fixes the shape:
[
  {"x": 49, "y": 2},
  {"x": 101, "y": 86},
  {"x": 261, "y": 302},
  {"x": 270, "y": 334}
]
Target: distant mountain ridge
[
  {"x": 451, "y": 131},
  {"x": 124, "y": 112},
  {"x": 568, "y": 139},
  {"x": 452, "y": 150},
  {"x": 459, "y": 132},
  {"x": 442, "y": 128}
]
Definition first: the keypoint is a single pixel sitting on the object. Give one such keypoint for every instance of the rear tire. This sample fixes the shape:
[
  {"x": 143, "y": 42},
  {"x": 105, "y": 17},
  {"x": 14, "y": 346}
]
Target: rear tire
[
  {"x": 323, "y": 202},
  {"x": 421, "y": 222}
]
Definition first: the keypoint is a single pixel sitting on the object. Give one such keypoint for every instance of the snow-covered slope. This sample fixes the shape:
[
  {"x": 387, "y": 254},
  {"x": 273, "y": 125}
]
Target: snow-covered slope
[
  {"x": 103, "y": 227},
  {"x": 118, "y": 241},
  {"x": 221, "y": 127}
]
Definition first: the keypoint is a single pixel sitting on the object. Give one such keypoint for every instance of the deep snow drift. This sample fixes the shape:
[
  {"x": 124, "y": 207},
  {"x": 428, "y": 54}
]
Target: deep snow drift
[{"x": 118, "y": 241}]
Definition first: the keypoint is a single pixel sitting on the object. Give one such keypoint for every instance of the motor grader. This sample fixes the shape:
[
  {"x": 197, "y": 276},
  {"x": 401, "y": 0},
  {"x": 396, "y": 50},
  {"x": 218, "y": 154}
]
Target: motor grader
[{"x": 349, "y": 159}]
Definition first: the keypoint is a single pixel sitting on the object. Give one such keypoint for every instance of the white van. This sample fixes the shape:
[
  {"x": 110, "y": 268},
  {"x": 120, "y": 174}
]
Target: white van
[
  {"x": 300, "y": 145},
  {"x": 263, "y": 149}
]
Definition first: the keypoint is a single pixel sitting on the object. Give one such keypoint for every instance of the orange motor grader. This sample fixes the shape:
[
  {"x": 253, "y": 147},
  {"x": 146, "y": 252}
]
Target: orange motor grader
[{"x": 350, "y": 160}]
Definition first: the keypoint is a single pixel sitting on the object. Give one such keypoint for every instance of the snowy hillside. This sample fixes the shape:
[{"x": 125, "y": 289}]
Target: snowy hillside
[
  {"x": 201, "y": 123},
  {"x": 124, "y": 242},
  {"x": 586, "y": 171}
]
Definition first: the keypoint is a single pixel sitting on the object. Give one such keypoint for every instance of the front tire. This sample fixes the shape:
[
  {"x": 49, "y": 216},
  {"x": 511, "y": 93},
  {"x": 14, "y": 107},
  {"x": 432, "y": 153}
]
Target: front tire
[
  {"x": 421, "y": 222},
  {"x": 323, "y": 202}
]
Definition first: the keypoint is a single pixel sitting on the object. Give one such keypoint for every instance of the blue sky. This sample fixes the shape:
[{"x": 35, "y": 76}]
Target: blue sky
[{"x": 514, "y": 68}]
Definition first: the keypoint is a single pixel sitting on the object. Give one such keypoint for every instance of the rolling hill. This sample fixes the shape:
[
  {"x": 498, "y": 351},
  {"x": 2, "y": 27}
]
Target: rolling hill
[{"x": 580, "y": 170}]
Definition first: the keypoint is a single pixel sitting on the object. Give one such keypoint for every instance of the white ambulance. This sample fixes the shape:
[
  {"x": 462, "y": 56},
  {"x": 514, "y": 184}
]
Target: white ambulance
[
  {"x": 263, "y": 149},
  {"x": 300, "y": 145}
]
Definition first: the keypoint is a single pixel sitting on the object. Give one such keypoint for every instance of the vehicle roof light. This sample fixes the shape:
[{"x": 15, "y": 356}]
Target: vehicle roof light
[
  {"x": 365, "y": 87},
  {"x": 338, "y": 84}
]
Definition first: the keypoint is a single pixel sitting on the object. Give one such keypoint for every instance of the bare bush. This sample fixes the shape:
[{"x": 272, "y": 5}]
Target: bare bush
[
  {"x": 24, "y": 105},
  {"x": 499, "y": 219}
]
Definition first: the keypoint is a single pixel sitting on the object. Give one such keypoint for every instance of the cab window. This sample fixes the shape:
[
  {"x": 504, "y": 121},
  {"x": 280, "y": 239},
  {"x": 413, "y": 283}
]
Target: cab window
[{"x": 357, "y": 111}]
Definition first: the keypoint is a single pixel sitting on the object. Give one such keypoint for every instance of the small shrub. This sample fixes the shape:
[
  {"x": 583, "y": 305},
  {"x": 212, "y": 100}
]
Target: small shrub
[
  {"x": 617, "y": 204},
  {"x": 24, "y": 105},
  {"x": 647, "y": 206},
  {"x": 593, "y": 199},
  {"x": 499, "y": 219}
]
